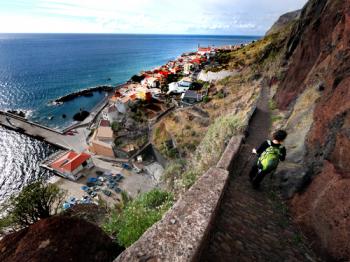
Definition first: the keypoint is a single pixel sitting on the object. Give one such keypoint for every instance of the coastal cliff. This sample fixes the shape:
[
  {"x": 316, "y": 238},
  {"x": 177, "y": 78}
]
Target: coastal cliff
[
  {"x": 304, "y": 60},
  {"x": 303, "y": 65},
  {"x": 315, "y": 91}
]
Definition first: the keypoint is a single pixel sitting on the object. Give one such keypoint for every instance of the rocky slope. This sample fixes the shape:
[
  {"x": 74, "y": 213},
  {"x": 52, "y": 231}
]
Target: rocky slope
[
  {"x": 314, "y": 94},
  {"x": 59, "y": 238}
]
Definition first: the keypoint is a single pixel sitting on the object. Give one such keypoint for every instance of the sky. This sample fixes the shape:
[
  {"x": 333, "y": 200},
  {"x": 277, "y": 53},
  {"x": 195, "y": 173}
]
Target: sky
[{"x": 216, "y": 17}]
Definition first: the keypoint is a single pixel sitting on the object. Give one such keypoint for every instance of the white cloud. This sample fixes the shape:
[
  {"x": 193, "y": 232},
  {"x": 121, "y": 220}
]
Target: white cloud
[{"x": 145, "y": 16}]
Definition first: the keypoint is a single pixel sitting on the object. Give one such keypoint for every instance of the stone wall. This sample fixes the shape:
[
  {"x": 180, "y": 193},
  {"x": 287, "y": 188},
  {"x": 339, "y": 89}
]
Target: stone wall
[{"x": 183, "y": 231}]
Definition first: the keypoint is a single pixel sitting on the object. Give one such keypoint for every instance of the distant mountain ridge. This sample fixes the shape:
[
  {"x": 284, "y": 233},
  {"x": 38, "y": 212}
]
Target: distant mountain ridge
[{"x": 284, "y": 20}]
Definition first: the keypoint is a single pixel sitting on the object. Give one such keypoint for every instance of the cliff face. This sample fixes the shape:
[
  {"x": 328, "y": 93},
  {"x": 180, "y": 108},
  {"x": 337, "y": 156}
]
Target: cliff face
[{"x": 315, "y": 90}]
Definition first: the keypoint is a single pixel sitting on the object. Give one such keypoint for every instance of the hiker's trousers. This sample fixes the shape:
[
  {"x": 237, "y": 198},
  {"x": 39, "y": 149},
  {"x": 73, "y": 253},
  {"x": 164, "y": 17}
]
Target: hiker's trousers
[{"x": 257, "y": 175}]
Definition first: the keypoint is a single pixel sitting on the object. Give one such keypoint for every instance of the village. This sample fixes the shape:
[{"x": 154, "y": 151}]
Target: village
[{"x": 113, "y": 152}]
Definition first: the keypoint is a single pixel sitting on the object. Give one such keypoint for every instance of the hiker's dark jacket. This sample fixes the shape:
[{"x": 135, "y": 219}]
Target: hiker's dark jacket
[{"x": 265, "y": 145}]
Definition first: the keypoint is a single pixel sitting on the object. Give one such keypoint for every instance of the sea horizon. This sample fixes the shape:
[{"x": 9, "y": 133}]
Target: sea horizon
[{"x": 97, "y": 33}]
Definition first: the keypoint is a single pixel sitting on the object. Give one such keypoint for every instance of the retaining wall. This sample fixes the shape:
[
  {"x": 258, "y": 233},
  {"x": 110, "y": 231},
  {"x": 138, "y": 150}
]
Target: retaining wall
[{"x": 183, "y": 232}]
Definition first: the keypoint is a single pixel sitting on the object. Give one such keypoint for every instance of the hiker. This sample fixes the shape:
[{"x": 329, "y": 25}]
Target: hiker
[{"x": 269, "y": 154}]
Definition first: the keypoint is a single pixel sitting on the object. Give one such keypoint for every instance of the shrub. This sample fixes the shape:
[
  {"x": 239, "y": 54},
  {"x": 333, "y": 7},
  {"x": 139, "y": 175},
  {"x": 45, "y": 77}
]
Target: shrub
[
  {"x": 138, "y": 215},
  {"x": 118, "y": 142},
  {"x": 116, "y": 126},
  {"x": 172, "y": 153},
  {"x": 36, "y": 201},
  {"x": 206, "y": 99}
]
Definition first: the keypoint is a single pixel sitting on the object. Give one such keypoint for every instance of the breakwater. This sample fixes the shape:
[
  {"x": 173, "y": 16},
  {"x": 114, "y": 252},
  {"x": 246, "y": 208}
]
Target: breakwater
[{"x": 84, "y": 92}]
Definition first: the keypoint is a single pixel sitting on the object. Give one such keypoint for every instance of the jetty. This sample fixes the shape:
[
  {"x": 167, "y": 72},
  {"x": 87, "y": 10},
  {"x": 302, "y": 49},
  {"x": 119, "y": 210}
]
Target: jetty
[
  {"x": 43, "y": 133},
  {"x": 86, "y": 92},
  {"x": 83, "y": 92}
]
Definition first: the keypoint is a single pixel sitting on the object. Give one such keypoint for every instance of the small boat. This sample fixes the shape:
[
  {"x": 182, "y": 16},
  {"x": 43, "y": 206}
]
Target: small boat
[
  {"x": 50, "y": 117},
  {"x": 109, "y": 79}
]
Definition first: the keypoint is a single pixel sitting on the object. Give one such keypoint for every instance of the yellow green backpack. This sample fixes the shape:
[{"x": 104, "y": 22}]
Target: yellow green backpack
[{"x": 270, "y": 158}]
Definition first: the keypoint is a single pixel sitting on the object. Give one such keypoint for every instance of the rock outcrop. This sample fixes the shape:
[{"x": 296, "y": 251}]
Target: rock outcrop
[
  {"x": 318, "y": 73},
  {"x": 59, "y": 238}
]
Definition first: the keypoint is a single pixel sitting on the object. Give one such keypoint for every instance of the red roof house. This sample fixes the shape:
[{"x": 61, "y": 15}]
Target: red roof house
[
  {"x": 204, "y": 50},
  {"x": 71, "y": 163}
]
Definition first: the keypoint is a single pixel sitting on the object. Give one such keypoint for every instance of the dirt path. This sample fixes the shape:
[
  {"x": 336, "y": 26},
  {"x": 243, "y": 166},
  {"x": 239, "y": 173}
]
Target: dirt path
[{"x": 251, "y": 226}]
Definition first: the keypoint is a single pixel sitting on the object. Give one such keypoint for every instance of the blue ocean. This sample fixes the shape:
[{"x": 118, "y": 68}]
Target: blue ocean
[{"x": 38, "y": 68}]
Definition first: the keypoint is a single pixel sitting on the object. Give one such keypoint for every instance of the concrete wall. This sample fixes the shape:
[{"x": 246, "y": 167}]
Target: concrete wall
[
  {"x": 102, "y": 149},
  {"x": 182, "y": 233}
]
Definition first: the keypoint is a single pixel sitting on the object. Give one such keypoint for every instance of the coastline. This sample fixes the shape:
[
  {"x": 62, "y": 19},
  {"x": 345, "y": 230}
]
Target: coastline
[
  {"x": 78, "y": 141},
  {"x": 75, "y": 136}
]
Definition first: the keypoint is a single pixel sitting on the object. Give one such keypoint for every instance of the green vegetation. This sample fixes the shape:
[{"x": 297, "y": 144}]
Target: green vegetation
[
  {"x": 142, "y": 140},
  {"x": 116, "y": 126},
  {"x": 118, "y": 142},
  {"x": 223, "y": 57},
  {"x": 212, "y": 146},
  {"x": 276, "y": 118},
  {"x": 206, "y": 99},
  {"x": 36, "y": 201},
  {"x": 138, "y": 215},
  {"x": 139, "y": 116},
  {"x": 189, "y": 178},
  {"x": 5, "y": 222}
]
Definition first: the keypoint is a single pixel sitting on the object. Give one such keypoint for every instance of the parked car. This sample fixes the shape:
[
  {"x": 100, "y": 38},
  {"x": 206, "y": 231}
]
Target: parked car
[
  {"x": 107, "y": 192},
  {"x": 69, "y": 133},
  {"x": 126, "y": 166}
]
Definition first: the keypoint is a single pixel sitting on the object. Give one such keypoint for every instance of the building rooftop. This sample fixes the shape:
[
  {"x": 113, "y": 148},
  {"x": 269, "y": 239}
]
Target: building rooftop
[
  {"x": 70, "y": 161},
  {"x": 104, "y": 132}
]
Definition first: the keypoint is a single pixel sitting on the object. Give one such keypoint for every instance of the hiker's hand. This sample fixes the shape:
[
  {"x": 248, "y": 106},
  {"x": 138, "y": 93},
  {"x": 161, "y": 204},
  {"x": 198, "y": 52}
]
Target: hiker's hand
[{"x": 254, "y": 151}]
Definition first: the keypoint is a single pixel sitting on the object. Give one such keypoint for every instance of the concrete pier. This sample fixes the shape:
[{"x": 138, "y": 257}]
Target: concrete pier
[{"x": 76, "y": 142}]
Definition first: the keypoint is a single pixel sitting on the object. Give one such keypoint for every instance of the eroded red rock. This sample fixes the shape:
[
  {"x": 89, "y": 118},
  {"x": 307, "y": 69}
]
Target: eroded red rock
[
  {"x": 319, "y": 51},
  {"x": 59, "y": 238}
]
